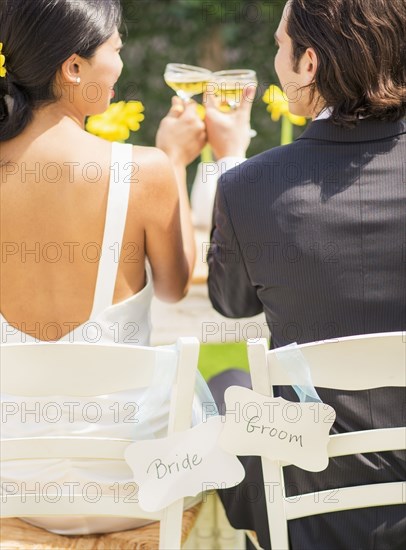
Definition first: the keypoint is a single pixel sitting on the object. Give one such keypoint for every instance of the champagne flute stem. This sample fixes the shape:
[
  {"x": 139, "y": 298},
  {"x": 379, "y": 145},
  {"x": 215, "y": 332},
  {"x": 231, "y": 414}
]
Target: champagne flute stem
[
  {"x": 184, "y": 97},
  {"x": 287, "y": 131},
  {"x": 206, "y": 154}
]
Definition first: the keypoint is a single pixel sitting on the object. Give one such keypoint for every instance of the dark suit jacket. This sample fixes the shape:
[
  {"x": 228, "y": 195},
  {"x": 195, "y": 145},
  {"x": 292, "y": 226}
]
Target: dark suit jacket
[{"x": 314, "y": 235}]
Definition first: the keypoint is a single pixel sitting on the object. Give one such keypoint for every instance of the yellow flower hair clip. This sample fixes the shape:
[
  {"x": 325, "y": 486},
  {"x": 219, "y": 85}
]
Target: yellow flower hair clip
[{"x": 3, "y": 70}]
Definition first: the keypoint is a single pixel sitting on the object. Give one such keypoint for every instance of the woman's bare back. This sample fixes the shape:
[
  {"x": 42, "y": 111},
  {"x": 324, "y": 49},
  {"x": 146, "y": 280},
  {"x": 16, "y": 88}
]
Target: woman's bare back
[{"x": 54, "y": 191}]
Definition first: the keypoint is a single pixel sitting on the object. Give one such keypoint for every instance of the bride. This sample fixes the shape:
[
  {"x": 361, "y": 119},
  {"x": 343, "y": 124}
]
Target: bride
[{"x": 89, "y": 230}]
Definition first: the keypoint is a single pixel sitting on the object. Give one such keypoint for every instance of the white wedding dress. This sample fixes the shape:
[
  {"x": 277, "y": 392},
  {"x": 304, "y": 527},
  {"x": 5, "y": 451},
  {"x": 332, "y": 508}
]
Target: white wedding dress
[{"x": 125, "y": 322}]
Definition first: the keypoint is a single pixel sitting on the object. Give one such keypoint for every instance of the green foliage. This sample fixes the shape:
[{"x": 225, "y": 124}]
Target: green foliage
[
  {"x": 216, "y": 358},
  {"x": 217, "y": 34}
]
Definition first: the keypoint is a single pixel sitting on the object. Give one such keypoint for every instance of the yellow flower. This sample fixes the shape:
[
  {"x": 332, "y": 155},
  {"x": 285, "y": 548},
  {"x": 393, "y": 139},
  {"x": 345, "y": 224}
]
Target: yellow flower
[
  {"x": 278, "y": 106},
  {"x": 3, "y": 70},
  {"x": 116, "y": 123}
]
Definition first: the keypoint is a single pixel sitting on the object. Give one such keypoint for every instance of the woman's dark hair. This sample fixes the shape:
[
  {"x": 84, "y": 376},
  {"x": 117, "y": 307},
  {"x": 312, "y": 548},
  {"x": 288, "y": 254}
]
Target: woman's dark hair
[
  {"x": 361, "y": 51},
  {"x": 38, "y": 36}
]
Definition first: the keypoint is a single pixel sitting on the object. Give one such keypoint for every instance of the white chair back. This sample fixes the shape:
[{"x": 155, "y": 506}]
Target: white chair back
[
  {"x": 82, "y": 369},
  {"x": 350, "y": 363}
]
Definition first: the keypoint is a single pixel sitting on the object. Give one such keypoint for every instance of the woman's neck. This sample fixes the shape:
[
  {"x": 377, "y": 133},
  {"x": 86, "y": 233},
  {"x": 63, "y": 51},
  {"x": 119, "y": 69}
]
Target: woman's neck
[{"x": 56, "y": 114}]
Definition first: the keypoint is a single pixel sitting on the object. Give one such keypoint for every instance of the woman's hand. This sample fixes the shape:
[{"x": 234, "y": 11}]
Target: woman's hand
[
  {"x": 229, "y": 133},
  {"x": 182, "y": 133}
]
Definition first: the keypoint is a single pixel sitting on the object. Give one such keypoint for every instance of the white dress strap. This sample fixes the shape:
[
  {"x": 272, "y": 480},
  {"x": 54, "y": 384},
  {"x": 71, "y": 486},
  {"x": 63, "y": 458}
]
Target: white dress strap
[{"x": 116, "y": 214}]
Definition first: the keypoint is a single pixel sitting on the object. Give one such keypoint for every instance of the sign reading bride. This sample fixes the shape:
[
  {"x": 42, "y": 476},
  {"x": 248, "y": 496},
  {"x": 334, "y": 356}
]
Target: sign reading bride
[{"x": 180, "y": 465}]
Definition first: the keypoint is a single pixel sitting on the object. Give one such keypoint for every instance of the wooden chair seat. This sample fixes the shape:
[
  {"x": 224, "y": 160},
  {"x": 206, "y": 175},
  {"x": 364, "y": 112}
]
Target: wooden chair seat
[
  {"x": 252, "y": 536},
  {"x": 17, "y": 534}
]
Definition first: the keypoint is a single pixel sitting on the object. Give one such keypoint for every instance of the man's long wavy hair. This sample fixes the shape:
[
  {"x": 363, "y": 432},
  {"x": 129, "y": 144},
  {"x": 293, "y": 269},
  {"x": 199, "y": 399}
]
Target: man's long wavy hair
[{"x": 361, "y": 51}]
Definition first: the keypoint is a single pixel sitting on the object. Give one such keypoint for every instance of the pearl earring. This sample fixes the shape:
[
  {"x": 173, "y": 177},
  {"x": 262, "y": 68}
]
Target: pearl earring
[{"x": 78, "y": 80}]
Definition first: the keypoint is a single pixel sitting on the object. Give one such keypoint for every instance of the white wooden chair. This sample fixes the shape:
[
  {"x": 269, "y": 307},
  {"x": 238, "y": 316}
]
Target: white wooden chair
[
  {"x": 83, "y": 369},
  {"x": 350, "y": 363}
]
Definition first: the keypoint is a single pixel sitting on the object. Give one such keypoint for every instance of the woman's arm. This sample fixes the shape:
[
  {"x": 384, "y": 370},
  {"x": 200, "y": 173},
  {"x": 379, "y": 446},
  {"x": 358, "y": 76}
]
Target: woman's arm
[{"x": 169, "y": 236}]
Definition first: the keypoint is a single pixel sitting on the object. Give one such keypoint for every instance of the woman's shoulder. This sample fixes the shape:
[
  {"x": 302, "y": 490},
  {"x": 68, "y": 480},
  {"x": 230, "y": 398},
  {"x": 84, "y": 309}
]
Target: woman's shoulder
[
  {"x": 153, "y": 169},
  {"x": 150, "y": 157}
]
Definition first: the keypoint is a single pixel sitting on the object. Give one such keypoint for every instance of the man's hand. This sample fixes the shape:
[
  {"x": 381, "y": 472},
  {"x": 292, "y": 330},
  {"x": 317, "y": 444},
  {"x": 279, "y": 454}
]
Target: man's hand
[{"x": 229, "y": 133}]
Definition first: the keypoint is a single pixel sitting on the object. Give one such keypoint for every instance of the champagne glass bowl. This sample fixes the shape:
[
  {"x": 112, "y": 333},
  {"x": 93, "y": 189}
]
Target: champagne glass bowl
[{"x": 186, "y": 80}]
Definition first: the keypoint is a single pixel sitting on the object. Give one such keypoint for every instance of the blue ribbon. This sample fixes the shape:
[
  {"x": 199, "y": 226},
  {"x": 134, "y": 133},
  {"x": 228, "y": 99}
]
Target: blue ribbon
[{"x": 298, "y": 369}]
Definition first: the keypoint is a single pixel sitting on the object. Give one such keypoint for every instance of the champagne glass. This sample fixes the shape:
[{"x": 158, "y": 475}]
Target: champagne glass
[
  {"x": 229, "y": 87},
  {"x": 186, "y": 80}
]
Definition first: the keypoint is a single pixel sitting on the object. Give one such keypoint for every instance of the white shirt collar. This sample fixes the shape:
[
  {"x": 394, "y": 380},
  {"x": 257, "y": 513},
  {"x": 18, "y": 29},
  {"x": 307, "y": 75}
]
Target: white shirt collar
[{"x": 325, "y": 113}]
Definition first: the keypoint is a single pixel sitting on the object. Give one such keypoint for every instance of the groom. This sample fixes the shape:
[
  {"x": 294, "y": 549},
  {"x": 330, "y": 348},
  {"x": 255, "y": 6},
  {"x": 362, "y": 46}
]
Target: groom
[{"x": 314, "y": 234}]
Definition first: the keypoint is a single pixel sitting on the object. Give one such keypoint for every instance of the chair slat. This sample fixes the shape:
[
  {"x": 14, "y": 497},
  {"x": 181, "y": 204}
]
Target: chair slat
[
  {"x": 346, "y": 498},
  {"x": 343, "y": 363},
  {"x": 367, "y": 441},
  {"x": 180, "y": 417},
  {"x": 63, "y": 447},
  {"x": 29, "y": 369},
  {"x": 55, "y": 504}
]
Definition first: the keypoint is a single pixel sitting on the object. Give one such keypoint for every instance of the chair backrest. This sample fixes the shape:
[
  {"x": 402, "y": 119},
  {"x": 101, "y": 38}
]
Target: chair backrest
[
  {"x": 82, "y": 369},
  {"x": 350, "y": 363}
]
